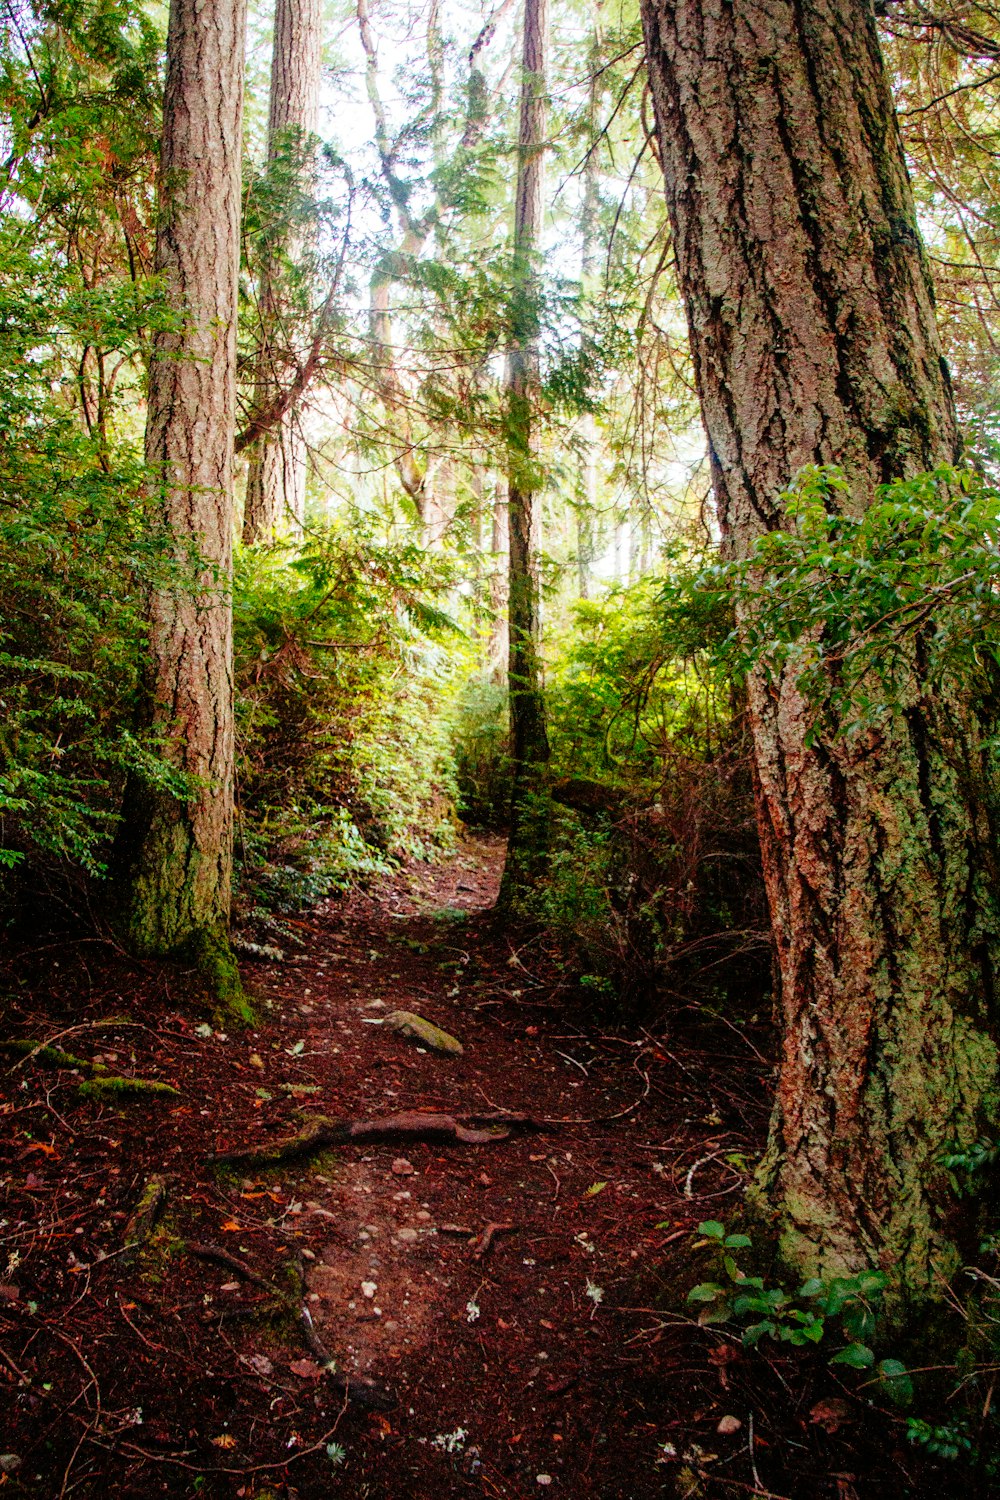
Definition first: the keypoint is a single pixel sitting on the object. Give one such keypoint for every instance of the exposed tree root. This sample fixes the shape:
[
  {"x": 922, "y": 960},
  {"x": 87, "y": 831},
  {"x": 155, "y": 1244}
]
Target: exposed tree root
[
  {"x": 484, "y": 1243},
  {"x": 482, "y": 1130},
  {"x": 99, "y": 1084},
  {"x": 232, "y": 1262},
  {"x": 140, "y": 1226},
  {"x": 109, "y": 1087},
  {"x": 49, "y": 1057},
  {"x": 353, "y": 1387}
]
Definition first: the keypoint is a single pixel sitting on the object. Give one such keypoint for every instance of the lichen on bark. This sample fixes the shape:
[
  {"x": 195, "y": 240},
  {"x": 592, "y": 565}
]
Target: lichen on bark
[
  {"x": 179, "y": 848},
  {"x": 814, "y": 341}
]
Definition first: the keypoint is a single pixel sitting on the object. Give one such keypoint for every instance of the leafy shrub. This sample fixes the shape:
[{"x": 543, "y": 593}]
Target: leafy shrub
[
  {"x": 344, "y": 685},
  {"x": 866, "y": 608},
  {"x": 79, "y": 92},
  {"x": 480, "y": 736},
  {"x": 654, "y": 878},
  {"x": 841, "y": 1305}
]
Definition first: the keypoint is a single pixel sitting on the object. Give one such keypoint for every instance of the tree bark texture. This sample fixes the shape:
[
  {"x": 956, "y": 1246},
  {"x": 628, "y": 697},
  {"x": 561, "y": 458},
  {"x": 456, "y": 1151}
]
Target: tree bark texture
[
  {"x": 814, "y": 341},
  {"x": 276, "y": 480},
  {"x": 181, "y": 889},
  {"x": 586, "y": 509},
  {"x": 499, "y": 646},
  {"x": 529, "y": 746}
]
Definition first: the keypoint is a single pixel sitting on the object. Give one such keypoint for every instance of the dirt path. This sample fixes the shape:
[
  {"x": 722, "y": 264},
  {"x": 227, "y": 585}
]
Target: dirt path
[
  {"x": 524, "y": 1359},
  {"x": 503, "y": 1359}
]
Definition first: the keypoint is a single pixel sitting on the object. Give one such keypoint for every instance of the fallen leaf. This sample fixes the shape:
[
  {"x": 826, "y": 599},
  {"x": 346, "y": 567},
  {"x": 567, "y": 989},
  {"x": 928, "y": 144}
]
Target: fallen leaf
[
  {"x": 830, "y": 1414},
  {"x": 308, "y": 1369},
  {"x": 721, "y": 1357},
  {"x": 231, "y": 1225}
]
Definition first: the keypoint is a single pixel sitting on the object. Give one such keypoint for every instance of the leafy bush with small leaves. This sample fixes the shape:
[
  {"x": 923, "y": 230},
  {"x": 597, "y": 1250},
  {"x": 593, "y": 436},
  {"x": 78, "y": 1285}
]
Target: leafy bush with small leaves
[
  {"x": 863, "y": 606},
  {"x": 941, "y": 1440},
  {"x": 480, "y": 735},
  {"x": 653, "y": 884},
  {"x": 843, "y": 1306}
]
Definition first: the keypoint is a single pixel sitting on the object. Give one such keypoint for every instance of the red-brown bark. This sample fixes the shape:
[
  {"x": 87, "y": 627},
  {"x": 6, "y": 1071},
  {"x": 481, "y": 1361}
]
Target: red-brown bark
[
  {"x": 814, "y": 341},
  {"x": 181, "y": 889}
]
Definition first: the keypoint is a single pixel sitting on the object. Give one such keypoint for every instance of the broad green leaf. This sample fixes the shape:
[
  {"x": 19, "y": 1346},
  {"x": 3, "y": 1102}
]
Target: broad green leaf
[
  {"x": 857, "y": 1356},
  {"x": 705, "y": 1291},
  {"x": 896, "y": 1381},
  {"x": 712, "y": 1229}
]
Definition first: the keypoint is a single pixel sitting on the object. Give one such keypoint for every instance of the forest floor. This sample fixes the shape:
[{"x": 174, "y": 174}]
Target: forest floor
[{"x": 500, "y": 1310}]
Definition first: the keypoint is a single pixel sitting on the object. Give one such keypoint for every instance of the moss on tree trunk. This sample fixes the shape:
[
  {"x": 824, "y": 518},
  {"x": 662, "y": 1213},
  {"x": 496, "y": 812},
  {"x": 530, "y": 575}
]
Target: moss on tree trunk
[
  {"x": 529, "y": 751},
  {"x": 814, "y": 341},
  {"x": 178, "y": 892}
]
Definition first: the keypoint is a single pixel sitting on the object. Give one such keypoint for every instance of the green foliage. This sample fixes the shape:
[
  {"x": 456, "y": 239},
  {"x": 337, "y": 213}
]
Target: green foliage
[
  {"x": 967, "y": 1166},
  {"x": 77, "y": 552},
  {"x": 344, "y": 683},
  {"x": 801, "y": 1317},
  {"x": 650, "y": 878},
  {"x": 842, "y": 1307},
  {"x": 942, "y": 1440},
  {"x": 480, "y": 734},
  {"x": 867, "y": 608},
  {"x": 78, "y": 92},
  {"x": 632, "y": 687}
]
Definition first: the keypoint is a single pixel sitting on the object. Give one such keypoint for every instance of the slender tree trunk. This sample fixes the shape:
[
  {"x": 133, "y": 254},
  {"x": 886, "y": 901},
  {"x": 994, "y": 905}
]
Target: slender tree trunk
[
  {"x": 276, "y": 481},
  {"x": 499, "y": 650},
  {"x": 181, "y": 888},
  {"x": 814, "y": 341},
  {"x": 529, "y": 746},
  {"x": 586, "y": 508}
]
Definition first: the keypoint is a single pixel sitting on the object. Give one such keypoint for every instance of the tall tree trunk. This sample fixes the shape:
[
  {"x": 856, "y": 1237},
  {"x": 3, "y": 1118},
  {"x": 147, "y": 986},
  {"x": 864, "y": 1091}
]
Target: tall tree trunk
[
  {"x": 276, "y": 481},
  {"x": 499, "y": 647},
  {"x": 586, "y": 507},
  {"x": 814, "y": 341},
  {"x": 529, "y": 746},
  {"x": 181, "y": 888}
]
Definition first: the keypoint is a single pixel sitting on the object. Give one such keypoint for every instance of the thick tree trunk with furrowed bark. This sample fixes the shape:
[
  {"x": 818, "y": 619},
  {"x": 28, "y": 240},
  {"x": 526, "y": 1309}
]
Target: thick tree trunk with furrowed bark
[
  {"x": 529, "y": 746},
  {"x": 814, "y": 341},
  {"x": 276, "y": 480},
  {"x": 179, "y": 896}
]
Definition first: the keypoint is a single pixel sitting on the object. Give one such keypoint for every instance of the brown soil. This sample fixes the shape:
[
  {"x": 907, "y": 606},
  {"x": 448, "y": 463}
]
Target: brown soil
[{"x": 543, "y": 1360}]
